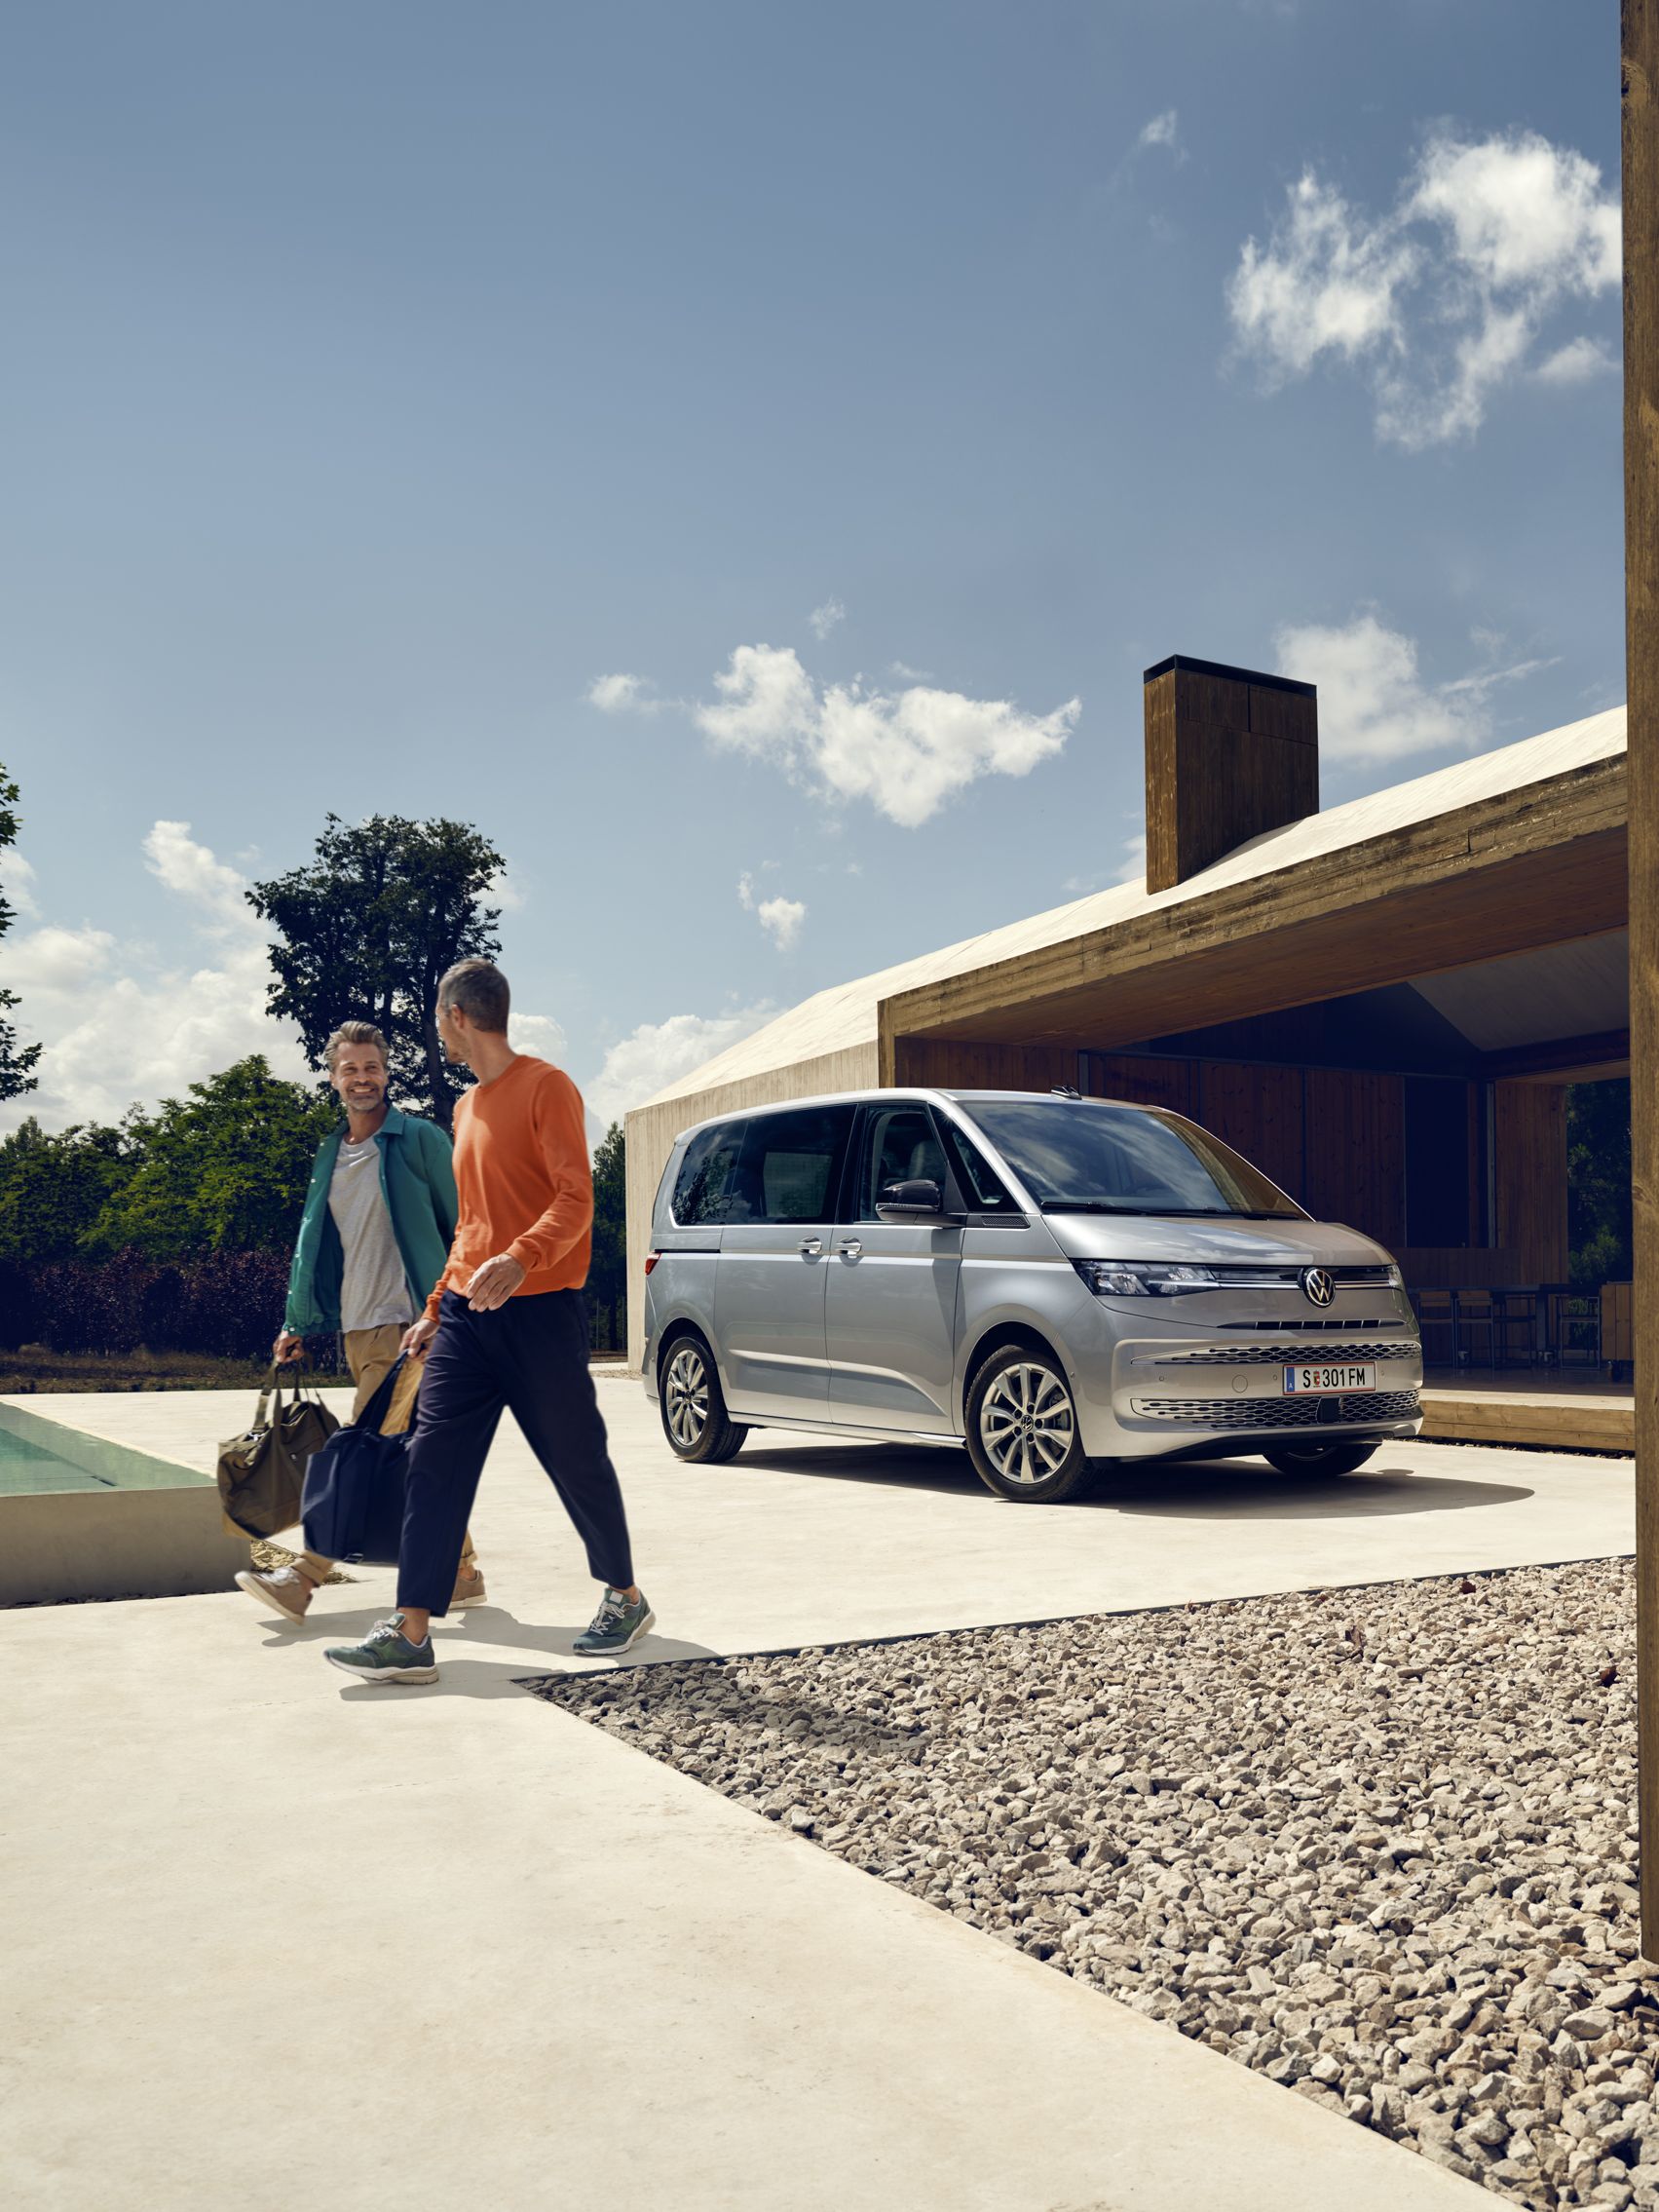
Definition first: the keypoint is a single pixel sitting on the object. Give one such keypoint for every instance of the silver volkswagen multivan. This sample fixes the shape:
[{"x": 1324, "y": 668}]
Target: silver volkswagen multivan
[{"x": 1053, "y": 1280}]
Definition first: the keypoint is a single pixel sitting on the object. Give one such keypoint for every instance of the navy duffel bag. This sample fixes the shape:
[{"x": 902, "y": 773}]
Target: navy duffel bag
[{"x": 353, "y": 1503}]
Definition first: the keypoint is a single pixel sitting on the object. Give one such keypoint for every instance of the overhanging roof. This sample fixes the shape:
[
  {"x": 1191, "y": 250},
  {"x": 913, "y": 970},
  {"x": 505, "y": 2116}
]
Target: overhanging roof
[{"x": 1517, "y": 847}]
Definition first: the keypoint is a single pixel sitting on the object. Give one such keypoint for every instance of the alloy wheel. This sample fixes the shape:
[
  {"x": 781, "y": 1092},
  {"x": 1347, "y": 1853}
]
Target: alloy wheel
[
  {"x": 685, "y": 1389},
  {"x": 1026, "y": 1423}
]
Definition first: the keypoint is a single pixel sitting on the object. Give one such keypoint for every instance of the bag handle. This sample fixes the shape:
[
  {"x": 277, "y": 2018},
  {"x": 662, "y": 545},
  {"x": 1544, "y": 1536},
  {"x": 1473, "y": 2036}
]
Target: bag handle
[{"x": 273, "y": 1389}]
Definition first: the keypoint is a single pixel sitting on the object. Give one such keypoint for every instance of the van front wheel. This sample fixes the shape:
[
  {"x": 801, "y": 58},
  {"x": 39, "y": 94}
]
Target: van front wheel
[
  {"x": 1022, "y": 1428},
  {"x": 694, "y": 1418}
]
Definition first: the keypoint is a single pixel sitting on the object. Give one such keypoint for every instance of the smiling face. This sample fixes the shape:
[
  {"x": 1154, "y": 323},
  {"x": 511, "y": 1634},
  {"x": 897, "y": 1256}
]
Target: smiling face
[{"x": 359, "y": 1075}]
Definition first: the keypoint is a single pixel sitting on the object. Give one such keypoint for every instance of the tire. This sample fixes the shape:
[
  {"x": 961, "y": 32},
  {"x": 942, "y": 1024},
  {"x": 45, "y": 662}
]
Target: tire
[
  {"x": 1022, "y": 1428},
  {"x": 1318, "y": 1458},
  {"x": 693, "y": 1413}
]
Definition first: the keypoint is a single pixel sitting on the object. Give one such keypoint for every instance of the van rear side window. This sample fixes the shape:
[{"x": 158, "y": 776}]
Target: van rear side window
[{"x": 705, "y": 1172}]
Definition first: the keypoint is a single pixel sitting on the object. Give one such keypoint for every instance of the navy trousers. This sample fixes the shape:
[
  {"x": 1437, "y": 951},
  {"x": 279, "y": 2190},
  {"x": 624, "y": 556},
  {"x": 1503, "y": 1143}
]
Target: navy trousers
[{"x": 529, "y": 1356}]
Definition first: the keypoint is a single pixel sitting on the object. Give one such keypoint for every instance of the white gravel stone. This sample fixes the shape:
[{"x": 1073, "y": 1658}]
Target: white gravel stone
[{"x": 1379, "y": 1845}]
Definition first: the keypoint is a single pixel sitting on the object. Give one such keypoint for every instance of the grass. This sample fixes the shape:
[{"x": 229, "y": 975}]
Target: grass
[{"x": 34, "y": 1368}]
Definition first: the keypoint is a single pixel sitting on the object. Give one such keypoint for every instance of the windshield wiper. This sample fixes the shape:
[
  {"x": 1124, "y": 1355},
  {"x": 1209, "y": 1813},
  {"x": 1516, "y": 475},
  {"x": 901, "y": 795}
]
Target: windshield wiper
[{"x": 1150, "y": 1213}]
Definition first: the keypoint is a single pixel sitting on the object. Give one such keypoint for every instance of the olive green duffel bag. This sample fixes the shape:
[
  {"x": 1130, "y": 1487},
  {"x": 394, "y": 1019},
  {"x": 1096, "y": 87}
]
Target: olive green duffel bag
[{"x": 262, "y": 1474}]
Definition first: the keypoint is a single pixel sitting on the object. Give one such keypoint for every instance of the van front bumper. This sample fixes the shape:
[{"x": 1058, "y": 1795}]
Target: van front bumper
[{"x": 1181, "y": 1396}]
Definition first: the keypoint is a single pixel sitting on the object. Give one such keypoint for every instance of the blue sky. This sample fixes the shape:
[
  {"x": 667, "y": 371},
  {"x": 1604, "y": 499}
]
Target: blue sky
[{"x": 380, "y": 378}]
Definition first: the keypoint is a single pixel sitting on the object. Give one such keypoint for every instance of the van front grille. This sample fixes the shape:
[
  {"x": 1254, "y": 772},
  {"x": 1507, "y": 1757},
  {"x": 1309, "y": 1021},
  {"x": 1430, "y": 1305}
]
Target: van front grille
[
  {"x": 1272, "y": 1354},
  {"x": 1279, "y": 1413}
]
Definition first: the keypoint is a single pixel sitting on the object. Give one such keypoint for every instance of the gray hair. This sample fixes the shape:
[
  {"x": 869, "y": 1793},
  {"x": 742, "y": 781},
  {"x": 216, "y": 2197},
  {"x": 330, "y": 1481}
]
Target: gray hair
[
  {"x": 355, "y": 1033},
  {"x": 479, "y": 989}
]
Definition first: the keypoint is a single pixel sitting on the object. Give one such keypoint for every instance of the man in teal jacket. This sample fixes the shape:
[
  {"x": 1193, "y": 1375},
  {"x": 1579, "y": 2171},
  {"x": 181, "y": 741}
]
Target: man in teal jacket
[{"x": 378, "y": 1223}]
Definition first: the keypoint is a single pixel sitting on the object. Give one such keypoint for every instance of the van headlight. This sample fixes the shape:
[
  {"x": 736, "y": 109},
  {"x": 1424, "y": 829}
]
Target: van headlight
[{"x": 1142, "y": 1278}]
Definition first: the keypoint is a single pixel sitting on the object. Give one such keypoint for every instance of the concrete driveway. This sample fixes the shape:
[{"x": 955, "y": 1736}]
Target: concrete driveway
[{"x": 275, "y": 1934}]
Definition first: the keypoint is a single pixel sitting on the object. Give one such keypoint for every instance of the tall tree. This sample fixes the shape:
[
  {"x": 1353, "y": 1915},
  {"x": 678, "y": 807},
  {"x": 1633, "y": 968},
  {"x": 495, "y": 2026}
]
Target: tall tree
[
  {"x": 223, "y": 1170},
  {"x": 608, "y": 1274},
  {"x": 16, "y": 1063},
  {"x": 366, "y": 929}
]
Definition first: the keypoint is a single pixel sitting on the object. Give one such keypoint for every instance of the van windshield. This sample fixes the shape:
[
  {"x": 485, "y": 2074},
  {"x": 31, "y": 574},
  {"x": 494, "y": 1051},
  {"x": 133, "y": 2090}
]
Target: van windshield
[{"x": 1077, "y": 1156}]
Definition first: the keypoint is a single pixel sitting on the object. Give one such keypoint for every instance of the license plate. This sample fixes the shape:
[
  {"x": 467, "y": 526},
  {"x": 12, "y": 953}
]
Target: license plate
[{"x": 1327, "y": 1379}]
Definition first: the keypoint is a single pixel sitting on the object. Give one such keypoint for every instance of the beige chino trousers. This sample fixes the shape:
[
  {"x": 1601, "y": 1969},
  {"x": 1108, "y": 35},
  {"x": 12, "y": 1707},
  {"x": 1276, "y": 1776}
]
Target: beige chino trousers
[{"x": 371, "y": 1355}]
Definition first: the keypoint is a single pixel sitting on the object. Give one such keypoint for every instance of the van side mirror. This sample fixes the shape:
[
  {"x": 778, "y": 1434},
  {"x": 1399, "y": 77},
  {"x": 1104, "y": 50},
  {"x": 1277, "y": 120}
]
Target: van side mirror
[{"x": 917, "y": 1200}]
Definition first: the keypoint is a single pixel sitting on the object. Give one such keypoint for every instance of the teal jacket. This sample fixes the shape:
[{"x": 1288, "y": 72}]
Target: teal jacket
[{"x": 418, "y": 1183}]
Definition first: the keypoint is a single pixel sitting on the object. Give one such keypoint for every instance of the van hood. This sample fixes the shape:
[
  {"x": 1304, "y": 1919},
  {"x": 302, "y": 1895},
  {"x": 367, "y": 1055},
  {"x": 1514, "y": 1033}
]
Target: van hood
[{"x": 1225, "y": 1239}]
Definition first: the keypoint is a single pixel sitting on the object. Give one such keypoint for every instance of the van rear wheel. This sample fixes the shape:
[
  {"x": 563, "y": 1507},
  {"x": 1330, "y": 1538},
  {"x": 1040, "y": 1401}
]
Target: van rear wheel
[
  {"x": 1318, "y": 1458},
  {"x": 694, "y": 1418},
  {"x": 1022, "y": 1428}
]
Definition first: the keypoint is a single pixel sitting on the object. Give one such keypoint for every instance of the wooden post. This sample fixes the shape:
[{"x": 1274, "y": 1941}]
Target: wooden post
[{"x": 1639, "y": 34}]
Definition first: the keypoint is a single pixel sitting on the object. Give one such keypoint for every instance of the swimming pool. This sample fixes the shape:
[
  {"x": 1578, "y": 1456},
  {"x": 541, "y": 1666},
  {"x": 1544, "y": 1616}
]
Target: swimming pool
[{"x": 39, "y": 1455}]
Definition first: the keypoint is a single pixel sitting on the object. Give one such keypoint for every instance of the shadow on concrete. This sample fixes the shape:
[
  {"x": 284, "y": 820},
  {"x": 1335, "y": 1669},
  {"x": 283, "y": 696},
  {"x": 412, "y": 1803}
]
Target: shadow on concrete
[
  {"x": 1218, "y": 1489},
  {"x": 1199, "y": 1489}
]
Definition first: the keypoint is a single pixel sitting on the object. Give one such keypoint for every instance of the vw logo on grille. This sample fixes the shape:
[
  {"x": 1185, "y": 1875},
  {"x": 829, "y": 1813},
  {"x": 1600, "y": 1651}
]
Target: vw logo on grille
[{"x": 1318, "y": 1286}]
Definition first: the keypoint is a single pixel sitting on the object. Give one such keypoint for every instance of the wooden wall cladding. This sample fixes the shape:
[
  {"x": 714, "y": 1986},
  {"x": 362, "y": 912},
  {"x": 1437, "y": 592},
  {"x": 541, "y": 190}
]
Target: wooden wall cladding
[
  {"x": 1259, "y": 1112},
  {"x": 1529, "y": 1174},
  {"x": 1355, "y": 1151},
  {"x": 944, "y": 1063},
  {"x": 1143, "y": 1082}
]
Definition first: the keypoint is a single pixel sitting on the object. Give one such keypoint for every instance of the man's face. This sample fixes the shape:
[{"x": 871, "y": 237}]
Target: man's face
[
  {"x": 451, "y": 1033},
  {"x": 359, "y": 1077}
]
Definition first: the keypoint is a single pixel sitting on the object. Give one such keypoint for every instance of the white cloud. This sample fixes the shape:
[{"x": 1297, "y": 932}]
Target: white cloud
[
  {"x": 1374, "y": 705},
  {"x": 192, "y": 871},
  {"x": 1577, "y": 361},
  {"x": 19, "y": 883},
  {"x": 120, "y": 1025},
  {"x": 823, "y": 620},
  {"x": 538, "y": 1032},
  {"x": 1131, "y": 868},
  {"x": 906, "y": 754},
  {"x": 779, "y": 918},
  {"x": 623, "y": 695},
  {"x": 659, "y": 1053},
  {"x": 910, "y": 675},
  {"x": 1163, "y": 131},
  {"x": 503, "y": 890},
  {"x": 1438, "y": 301}
]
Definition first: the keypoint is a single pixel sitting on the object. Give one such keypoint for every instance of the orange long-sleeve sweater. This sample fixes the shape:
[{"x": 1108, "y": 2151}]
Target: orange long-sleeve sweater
[{"x": 523, "y": 1181}]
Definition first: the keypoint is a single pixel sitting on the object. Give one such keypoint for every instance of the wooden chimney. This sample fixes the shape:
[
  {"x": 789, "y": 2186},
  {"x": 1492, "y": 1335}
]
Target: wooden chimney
[{"x": 1229, "y": 755}]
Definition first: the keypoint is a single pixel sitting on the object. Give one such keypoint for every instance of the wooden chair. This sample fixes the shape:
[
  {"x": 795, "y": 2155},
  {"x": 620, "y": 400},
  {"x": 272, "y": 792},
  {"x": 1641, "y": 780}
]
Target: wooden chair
[
  {"x": 1477, "y": 1311},
  {"x": 1437, "y": 1317}
]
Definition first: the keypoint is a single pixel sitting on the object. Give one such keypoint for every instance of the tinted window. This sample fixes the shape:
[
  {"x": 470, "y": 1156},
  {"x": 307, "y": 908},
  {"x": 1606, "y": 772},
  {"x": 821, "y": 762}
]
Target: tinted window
[
  {"x": 1070, "y": 1153},
  {"x": 790, "y": 1165},
  {"x": 700, "y": 1189},
  {"x": 900, "y": 1145},
  {"x": 984, "y": 1188}
]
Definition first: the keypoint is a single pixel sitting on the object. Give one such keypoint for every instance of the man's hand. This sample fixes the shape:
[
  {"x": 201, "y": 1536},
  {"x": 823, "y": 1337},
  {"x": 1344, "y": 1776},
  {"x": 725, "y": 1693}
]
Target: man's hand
[
  {"x": 286, "y": 1346},
  {"x": 494, "y": 1284},
  {"x": 417, "y": 1336}
]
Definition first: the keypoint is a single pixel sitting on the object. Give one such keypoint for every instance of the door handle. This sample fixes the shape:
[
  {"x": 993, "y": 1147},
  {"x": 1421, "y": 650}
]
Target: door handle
[
  {"x": 849, "y": 1248},
  {"x": 811, "y": 1246}
]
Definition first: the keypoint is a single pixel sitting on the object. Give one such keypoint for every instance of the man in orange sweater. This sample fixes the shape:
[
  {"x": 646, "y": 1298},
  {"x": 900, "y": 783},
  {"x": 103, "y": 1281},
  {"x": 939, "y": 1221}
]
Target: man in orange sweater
[{"x": 505, "y": 1326}]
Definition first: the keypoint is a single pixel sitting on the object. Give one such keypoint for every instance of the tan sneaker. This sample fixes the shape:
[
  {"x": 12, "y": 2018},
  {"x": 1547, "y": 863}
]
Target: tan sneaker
[
  {"x": 469, "y": 1589},
  {"x": 283, "y": 1588}
]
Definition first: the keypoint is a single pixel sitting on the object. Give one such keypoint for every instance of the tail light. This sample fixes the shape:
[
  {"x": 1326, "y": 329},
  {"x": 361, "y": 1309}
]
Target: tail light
[{"x": 651, "y": 1260}]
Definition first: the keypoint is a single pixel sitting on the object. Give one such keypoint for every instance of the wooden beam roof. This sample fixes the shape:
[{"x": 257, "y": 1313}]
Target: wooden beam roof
[{"x": 1504, "y": 874}]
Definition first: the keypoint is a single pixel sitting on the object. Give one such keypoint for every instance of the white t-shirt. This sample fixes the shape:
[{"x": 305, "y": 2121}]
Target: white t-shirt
[{"x": 374, "y": 1291}]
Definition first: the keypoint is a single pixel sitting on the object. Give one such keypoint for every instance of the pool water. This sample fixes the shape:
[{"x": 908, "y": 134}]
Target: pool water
[{"x": 37, "y": 1454}]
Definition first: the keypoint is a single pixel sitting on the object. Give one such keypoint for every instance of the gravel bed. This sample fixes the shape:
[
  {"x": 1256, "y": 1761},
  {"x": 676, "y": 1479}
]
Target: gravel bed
[{"x": 1378, "y": 1844}]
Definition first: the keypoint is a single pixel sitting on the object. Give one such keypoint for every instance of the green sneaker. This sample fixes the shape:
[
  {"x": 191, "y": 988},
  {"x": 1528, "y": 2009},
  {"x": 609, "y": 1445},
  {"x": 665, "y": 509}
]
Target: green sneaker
[
  {"x": 386, "y": 1654},
  {"x": 615, "y": 1627}
]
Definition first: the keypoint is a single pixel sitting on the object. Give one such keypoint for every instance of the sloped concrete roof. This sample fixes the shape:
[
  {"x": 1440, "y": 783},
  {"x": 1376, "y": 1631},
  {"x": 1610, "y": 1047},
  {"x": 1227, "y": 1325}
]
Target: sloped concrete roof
[{"x": 844, "y": 1015}]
